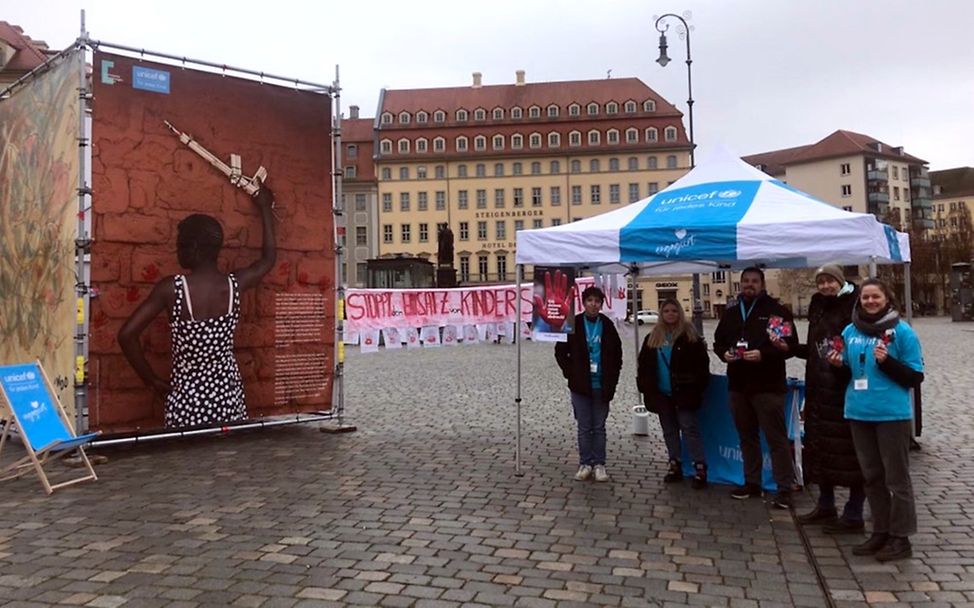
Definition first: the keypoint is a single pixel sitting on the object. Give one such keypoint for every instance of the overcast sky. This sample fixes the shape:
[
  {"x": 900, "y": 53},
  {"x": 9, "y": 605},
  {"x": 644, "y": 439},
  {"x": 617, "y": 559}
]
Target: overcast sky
[{"x": 766, "y": 74}]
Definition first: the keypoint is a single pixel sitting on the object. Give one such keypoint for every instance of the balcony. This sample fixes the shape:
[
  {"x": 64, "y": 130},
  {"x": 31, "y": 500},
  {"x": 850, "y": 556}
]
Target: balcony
[
  {"x": 880, "y": 210},
  {"x": 923, "y": 223},
  {"x": 920, "y": 182},
  {"x": 878, "y": 197},
  {"x": 922, "y": 202},
  {"x": 875, "y": 175}
]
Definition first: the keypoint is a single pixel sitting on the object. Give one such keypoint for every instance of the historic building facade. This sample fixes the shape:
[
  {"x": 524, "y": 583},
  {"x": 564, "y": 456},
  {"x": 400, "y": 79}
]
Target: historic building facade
[{"x": 489, "y": 160}]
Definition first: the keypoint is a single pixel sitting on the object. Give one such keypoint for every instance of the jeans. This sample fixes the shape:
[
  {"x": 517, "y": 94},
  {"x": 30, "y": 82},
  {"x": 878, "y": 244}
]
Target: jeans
[
  {"x": 758, "y": 412},
  {"x": 883, "y": 449},
  {"x": 591, "y": 414},
  {"x": 853, "y": 507},
  {"x": 673, "y": 421}
]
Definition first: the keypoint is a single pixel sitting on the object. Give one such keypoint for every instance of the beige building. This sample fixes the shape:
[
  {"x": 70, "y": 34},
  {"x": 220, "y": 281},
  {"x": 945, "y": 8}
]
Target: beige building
[
  {"x": 360, "y": 196},
  {"x": 489, "y": 160},
  {"x": 953, "y": 203},
  {"x": 857, "y": 173}
]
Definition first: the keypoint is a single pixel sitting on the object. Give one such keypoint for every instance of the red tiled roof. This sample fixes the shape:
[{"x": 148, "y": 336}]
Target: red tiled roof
[
  {"x": 773, "y": 163},
  {"x": 847, "y": 143},
  {"x": 953, "y": 182},
  {"x": 357, "y": 129},
  {"x": 29, "y": 53},
  {"x": 541, "y": 94}
]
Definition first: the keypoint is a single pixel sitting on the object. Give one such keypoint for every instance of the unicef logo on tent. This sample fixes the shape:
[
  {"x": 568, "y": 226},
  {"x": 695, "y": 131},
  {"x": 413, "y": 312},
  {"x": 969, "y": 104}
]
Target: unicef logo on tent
[{"x": 728, "y": 194}]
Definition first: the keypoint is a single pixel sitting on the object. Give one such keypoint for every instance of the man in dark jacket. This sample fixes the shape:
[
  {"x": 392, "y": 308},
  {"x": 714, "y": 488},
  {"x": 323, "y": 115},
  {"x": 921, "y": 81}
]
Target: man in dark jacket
[
  {"x": 756, "y": 375},
  {"x": 591, "y": 361}
]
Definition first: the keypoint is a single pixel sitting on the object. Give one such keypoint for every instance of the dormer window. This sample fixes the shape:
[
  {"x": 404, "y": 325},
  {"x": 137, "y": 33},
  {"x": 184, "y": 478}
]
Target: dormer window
[{"x": 404, "y": 118}]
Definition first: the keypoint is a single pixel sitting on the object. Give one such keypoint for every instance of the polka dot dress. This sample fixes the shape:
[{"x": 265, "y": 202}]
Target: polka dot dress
[{"x": 206, "y": 385}]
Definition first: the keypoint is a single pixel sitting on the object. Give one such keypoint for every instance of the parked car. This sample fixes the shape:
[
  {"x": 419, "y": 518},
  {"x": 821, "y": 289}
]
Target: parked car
[{"x": 650, "y": 317}]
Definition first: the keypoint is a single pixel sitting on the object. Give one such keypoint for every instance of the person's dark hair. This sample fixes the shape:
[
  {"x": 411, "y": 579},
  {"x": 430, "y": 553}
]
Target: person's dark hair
[
  {"x": 755, "y": 270},
  {"x": 593, "y": 291},
  {"x": 202, "y": 233},
  {"x": 890, "y": 297}
]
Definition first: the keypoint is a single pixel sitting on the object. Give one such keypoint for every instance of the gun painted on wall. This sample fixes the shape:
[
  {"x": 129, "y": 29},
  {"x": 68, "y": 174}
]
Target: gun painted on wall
[{"x": 233, "y": 171}]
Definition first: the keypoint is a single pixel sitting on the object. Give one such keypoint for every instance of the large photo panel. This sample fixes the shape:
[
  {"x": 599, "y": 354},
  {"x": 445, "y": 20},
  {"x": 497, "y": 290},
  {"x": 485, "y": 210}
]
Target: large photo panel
[
  {"x": 39, "y": 167},
  {"x": 203, "y": 316}
]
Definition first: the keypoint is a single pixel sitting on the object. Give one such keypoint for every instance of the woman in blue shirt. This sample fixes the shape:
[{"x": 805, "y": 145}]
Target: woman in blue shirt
[
  {"x": 673, "y": 372},
  {"x": 884, "y": 356}
]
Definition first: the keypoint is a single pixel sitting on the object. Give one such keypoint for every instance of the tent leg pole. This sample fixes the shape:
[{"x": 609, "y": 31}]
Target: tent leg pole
[
  {"x": 518, "y": 337},
  {"x": 908, "y": 293},
  {"x": 634, "y": 271},
  {"x": 872, "y": 268}
]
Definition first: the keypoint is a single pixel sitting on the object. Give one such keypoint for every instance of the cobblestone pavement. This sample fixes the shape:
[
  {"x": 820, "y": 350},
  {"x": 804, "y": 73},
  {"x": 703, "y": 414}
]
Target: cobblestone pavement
[{"x": 421, "y": 508}]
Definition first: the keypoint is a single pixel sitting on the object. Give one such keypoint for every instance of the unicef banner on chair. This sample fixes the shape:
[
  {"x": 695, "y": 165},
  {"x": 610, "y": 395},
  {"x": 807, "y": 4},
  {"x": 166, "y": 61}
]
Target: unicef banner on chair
[
  {"x": 215, "y": 302},
  {"x": 432, "y": 317}
]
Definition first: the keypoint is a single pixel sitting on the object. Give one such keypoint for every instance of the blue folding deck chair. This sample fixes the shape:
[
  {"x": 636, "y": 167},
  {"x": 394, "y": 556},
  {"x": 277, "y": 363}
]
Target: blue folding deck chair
[{"x": 34, "y": 412}]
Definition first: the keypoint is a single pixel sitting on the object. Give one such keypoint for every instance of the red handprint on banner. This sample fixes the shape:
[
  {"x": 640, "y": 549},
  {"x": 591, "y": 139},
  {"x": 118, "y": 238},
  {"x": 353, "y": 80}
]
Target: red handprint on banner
[{"x": 556, "y": 304}]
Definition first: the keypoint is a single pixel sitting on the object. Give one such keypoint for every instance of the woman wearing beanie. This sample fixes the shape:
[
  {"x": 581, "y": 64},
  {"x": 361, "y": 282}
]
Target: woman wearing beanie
[
  {"x": 884, "y": 356},
  {"x": 673, "y": 371},
  {"x": 829, "y": 457}
]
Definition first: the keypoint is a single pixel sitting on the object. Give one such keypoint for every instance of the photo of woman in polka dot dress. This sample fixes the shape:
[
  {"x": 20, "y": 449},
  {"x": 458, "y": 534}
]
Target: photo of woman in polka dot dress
[{"x": 203, "y": 306}]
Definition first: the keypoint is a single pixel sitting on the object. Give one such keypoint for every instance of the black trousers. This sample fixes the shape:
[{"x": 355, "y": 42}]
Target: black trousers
[{"x": 754, "y": 413}]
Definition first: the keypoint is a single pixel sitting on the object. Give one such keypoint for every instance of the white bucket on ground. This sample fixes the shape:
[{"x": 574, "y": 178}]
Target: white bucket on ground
[{"x": 640, "y": 420}]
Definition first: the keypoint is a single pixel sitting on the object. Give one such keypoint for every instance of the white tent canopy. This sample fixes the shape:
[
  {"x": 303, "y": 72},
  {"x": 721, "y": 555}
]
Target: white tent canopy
[{"x": 723, "y": 214}]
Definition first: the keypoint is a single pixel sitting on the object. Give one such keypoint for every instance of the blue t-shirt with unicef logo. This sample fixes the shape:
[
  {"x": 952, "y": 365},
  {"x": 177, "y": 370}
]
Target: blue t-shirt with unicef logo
[{"x": 872, "y": 396}]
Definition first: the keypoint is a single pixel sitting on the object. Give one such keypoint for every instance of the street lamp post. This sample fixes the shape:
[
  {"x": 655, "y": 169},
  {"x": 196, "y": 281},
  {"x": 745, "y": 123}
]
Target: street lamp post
[{"x": 663, "y": 60}]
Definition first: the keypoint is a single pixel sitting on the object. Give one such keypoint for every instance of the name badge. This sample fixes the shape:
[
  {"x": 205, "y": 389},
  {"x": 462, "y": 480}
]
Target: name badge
[
  {"x": 593, "y": 367},
  {"x": 861, "y": 384}
]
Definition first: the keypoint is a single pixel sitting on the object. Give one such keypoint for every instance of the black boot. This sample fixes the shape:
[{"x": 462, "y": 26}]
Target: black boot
[
  {"x": 699, "y": 476},
  {"x": 876, "y": 542},
  {"x": 897, "y": 547},
  {"x": 675, "y": 473},
  {"x": 818, "y": 516}
]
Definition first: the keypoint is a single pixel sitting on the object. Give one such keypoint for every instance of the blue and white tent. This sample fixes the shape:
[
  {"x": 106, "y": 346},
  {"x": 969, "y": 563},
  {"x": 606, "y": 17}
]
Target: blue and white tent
[{"x": 722, "y": 214}]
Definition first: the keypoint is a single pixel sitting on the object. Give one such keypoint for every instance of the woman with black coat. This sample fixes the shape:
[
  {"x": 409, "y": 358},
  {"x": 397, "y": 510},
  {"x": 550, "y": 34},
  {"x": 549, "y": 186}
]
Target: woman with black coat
[
  {"x": 673, "y": 372},
  {"x": 829, "y": 457}
]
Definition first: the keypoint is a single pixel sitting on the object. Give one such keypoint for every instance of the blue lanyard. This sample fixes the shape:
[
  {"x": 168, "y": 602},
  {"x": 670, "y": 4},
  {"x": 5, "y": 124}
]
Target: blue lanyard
[{"x": 745, "y": 315}]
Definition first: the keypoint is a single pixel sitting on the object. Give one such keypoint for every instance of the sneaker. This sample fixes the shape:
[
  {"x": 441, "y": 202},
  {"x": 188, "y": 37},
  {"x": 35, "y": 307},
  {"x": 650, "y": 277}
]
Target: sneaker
[
  {"x": 699, "y": 480},
  {"x": 746, "y": 491},
  {"x": 844, "y": 526},
  {"x": 600, "y": 474},
  {"x": 818, "y": 515},
  {"x": 583, "y": 473},
  {"x": 896, "y": 547},
  {"x": 876, "y": 542},
  {"x": 674, "y": 473},
  {"x": 782, "y": 500}
]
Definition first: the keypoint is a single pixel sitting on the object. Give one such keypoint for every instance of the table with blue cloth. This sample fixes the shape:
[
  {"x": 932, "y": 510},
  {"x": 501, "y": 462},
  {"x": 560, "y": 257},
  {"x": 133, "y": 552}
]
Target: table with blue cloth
[{"x": 722, "y": 445}]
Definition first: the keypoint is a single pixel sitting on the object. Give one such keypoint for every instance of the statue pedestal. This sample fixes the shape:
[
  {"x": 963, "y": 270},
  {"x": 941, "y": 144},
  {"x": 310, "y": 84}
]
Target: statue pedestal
[{"x": 446, "y": 277}]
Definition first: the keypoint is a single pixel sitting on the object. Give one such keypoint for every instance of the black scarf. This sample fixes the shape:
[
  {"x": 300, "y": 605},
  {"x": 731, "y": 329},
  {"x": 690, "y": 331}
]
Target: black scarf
[{"x": 875, "y": 325}]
